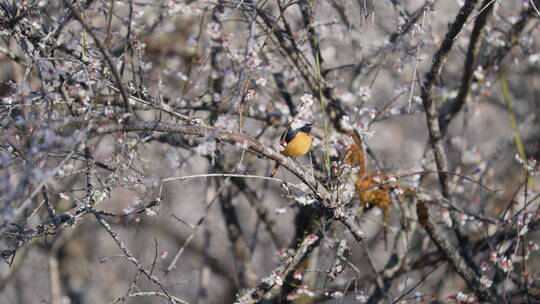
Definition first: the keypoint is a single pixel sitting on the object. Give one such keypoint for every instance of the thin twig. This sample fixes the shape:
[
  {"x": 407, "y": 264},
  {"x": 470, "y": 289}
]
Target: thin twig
[
  {"x": 132, "y": 259},
  {"x": 105, "y": 54}
]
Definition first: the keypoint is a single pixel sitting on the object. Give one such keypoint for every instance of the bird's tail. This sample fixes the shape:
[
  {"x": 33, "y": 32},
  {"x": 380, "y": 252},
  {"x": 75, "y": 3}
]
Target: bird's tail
[{"x": 274, "y": 170}]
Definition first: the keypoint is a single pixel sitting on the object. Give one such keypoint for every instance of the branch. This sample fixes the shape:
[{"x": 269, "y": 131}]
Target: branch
[
  {"x": 110, "y": 63},
  {"x": 330, "y": 206},
  {"x": 427, "y": 91},
  {"x": 452, "y": 106},
  {"x": 132, "y": 259},
  {"x": 450, "y": 252},
  {"x": 256, "y": 294},
  {"x": 147, "y": 294}
]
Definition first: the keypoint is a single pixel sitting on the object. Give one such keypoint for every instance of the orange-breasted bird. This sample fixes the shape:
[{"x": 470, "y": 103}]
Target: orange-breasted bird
[{"x": 297, "y": 143}]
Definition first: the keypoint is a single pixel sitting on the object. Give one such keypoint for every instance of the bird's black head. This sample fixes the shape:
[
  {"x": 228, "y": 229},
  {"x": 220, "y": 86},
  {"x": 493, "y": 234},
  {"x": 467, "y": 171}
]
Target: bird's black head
[
  {"x": 306, "y": 128},
  {"x": 291, "y": 134}
]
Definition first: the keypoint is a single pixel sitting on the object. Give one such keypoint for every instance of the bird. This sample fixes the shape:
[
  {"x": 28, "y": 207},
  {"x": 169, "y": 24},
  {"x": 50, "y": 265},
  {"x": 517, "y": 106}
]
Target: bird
[{"x": 297, "y": 143}]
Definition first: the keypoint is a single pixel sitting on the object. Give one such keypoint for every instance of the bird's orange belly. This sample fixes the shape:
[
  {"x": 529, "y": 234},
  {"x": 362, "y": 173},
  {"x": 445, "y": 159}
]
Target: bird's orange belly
[{"x": 298, "y": 147}]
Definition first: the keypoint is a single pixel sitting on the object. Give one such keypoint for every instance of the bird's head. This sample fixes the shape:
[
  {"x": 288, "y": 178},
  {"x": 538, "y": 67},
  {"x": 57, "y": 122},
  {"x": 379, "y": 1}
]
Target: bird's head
[{"x": 306, "y": 128}]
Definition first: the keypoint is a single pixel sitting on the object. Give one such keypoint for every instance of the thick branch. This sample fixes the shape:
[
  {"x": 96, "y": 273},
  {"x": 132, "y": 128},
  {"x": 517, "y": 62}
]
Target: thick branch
[
  {"x": 449, "y": 110},
  {"x": 427, "y": 91},
  {"x": 449, "y": 251},
  {"x": 330, "y": 206}
]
